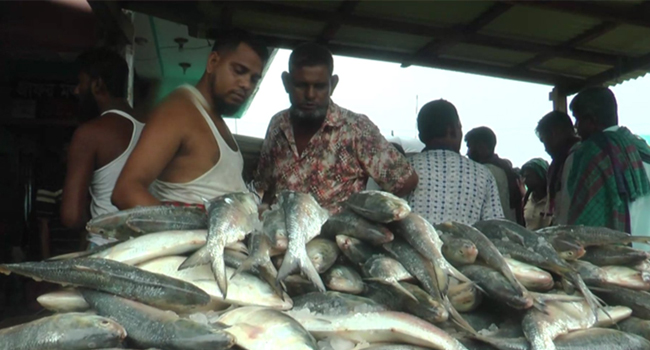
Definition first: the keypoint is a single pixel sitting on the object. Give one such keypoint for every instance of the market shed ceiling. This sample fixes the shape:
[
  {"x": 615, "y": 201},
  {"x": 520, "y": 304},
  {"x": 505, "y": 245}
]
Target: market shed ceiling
[{"x": 568, "y": 44}]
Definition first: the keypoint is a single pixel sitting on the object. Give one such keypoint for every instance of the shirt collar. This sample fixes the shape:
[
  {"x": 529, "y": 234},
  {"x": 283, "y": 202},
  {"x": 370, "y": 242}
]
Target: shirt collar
[
  {"x": 334, "y": 117},
  {"x": 612, "y": 128}
]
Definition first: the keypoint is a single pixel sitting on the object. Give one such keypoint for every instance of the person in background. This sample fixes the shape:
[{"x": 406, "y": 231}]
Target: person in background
[
  {"x": 520, "y": 180},
  {"x": 318, "y": 147},
  {"x": 372, "y": 185},
  {"x": 451, "y": 187},
  {"x": 536, "y": 199},
  {"x": 481, "y": 143},
  {"x": 100, "y": 146},
  {"x": 608, "y": 174},
  {"x": 555, "y": 130},
  {"x": 186, "y": 152}
]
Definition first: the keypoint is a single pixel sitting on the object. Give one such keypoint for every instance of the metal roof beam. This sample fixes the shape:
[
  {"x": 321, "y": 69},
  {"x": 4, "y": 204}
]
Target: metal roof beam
[
  {"x": 186, "y": 12},
  {"x": 437, "y": 62},
  {"x": 634, "y": 64},
  {"x": 436, "y": 45},
  {"x": 334, "y": 25},
  {"x": 581, "y": 39},
  {"x": 595, "y": 9}
]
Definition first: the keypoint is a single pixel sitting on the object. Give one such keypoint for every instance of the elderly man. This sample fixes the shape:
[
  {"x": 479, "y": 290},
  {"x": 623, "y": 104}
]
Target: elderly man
[
  {"x": 321, "y": 148},
  {"x": 608, "y": 175},
  {"x": 452, "y": 187}
]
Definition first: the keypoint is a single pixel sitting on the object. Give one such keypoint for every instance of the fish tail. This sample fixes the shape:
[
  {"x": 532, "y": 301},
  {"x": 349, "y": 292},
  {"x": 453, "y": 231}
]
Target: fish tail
[
  {"x": 307, "y": 268},
  {"x": 593, "y": 301},
  {"x": 219, "y": 270},
  {"x": 268, "y": 273},
  {"x": 245, "y": 266},
  {"x": 637, "y": 239},
  {"x": 200, "y": 257},
  {"x": 457, "y": 318}
]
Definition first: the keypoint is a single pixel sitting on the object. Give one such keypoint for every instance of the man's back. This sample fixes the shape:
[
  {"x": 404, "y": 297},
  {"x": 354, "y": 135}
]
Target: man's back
[
  {"x": 504, "y": 192},
  {"x": 453, "y": 188}
]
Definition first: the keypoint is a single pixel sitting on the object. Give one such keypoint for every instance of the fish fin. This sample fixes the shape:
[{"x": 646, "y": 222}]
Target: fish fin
[
  {"x": 302, "y": 262},
  {"x": 200, "y": 257},
  {"x": 83, "y": 268},
  {"x": 637, "y": 239},
  {"x": 403, "y": 290},
  {"x": 593, "y": 301},
  {"x": 219, "y": 270},
  {"x": 245, "y": 266},
  {"x": 268, "y": 273},
  {"x": 456, "y": 318},
  {"x": 556, "y": 297},
  {"x": 129, "y": 223},
  {"x": 458, "y": 275}
]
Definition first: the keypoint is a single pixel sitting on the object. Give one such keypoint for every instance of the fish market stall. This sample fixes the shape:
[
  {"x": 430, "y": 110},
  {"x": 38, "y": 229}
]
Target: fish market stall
[{"x": 375, "y": 276}]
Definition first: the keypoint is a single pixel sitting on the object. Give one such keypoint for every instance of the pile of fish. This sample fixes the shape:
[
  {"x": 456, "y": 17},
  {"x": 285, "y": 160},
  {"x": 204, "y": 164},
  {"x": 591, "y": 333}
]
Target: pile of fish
[{"x": 374, "y": 276}]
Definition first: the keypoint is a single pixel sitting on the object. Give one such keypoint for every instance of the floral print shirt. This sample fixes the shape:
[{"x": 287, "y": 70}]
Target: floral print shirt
[{"x": 337, "y": 162}]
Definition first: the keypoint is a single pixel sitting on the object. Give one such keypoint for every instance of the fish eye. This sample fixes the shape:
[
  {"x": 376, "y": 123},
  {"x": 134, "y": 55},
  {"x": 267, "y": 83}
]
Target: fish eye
[{"x": 105, "y": 323}]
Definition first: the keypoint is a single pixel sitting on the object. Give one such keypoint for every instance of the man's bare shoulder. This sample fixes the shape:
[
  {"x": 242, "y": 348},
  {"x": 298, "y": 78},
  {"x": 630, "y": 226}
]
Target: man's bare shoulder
[{"x": 175, "y": 106}]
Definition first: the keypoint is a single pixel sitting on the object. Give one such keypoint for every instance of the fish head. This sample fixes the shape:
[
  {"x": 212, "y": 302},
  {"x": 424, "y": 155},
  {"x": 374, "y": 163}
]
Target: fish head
[
  {"x": 568, "y": 249},
  {"x": 93, "y": 329}
]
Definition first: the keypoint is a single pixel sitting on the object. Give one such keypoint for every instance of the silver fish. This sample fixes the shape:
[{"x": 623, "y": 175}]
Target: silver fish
[
  {"x": 530, "y": 276},
  {"x": 64, "y": 300},
  {"x": 344, "y": 279},
  {"x": 378, "y": 206},
  {"x": 154, "y": 245},
  {"x": 304, "y": 218},
  {"x": 355, "y": 250},
  {"x": 323, "y": 253},
  {"x": 274, "y": 226},
  {"x": 612, "y": 275},
  {"x": 389, "y": 271},
  {"x": 150, "y": 327},
  {"x": 424, "y": 238},
  {"x": 231, "y": 218},
  {"x": 70, "y": 331},
  {"x": 246, "y": 289},
  {"x": 125, "y": 224},
  {"x": 379, "y": 327},
  {"x": 560, "y": 318},
  {"x": 116, "y": 278},
  {"x": 636, "y": 326},
  {"x": 335, "y": 303},
  {"x": 350, "y": 224},
  {"x": 255, "y": 328}
]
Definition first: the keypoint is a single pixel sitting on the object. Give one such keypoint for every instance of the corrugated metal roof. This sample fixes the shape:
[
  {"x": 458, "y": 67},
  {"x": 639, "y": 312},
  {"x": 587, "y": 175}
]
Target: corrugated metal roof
[{"x": 569, "y": 44}]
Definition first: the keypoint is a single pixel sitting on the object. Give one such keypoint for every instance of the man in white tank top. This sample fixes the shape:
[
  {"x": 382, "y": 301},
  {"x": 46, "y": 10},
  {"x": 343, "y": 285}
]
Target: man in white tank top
[
  {"x": 186, "y": 151},
  {"x": 101, "y": 145}
]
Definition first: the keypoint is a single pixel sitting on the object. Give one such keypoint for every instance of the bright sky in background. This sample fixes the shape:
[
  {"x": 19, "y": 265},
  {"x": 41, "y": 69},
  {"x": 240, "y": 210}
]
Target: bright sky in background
[{"x": 391, "y": 97}]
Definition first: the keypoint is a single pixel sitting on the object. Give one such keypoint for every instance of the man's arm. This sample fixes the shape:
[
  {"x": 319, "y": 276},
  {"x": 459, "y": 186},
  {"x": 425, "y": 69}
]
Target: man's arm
[
  {"x": 161, "y": 138},
  {"x": 262, "y": 178},
  {"x": 75, "y": 205},
  {"x": 491, "y": 208},
  {"x": 382, "y": 161}
]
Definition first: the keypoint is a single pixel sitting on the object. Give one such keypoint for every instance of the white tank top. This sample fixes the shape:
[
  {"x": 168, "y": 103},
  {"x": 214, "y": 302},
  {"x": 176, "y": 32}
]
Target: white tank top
[
  {"x": 104, "y": 178},
  {"x": 223, "y": 178}
]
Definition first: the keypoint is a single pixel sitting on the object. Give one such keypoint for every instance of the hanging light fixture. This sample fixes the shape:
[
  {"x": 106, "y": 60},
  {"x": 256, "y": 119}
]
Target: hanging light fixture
[{"x": 185, "y": 66}]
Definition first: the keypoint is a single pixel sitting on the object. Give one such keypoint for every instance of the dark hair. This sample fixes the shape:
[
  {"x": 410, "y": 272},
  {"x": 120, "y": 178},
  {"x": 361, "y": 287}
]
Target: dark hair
[
  {"x": 228, "y": 41},
  {"x": 484, "y": 135},
  {"x": 435, "y": 119},
  {"x": 107, "y": 65},
  {"x": 556, "y": 120},
  {"x": 309, "y": 55},
  {"x": 598, "y": 103}
]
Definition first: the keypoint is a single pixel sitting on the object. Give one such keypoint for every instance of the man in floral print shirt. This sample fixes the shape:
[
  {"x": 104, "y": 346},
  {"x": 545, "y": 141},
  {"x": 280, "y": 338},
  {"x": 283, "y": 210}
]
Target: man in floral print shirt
[{"x": 320, "y": 148}]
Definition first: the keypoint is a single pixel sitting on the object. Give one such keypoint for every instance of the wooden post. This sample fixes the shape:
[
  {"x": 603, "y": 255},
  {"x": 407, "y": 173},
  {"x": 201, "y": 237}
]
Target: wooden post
[{"x": 559, "y": 100}]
